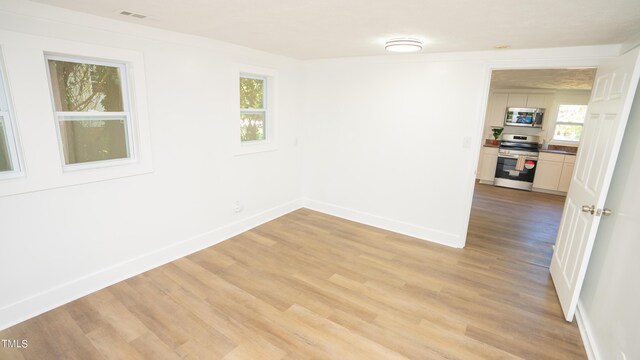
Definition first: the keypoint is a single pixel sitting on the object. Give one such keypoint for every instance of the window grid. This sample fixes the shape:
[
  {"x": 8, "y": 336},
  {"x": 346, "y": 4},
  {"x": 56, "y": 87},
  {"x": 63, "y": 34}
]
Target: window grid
[
  {"x": 568, "y": 127},
  {"x": 10, "y": 161},
  {"x": 254, "y": 130},
  {"x": 71, "y": 117}
]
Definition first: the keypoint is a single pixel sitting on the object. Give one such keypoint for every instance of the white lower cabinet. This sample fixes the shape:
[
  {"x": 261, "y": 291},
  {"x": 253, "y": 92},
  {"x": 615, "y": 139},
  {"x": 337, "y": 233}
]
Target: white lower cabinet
[
  {"x": 488, "y": 162},
  {"x": 547, "y": 175},
  {"x": 554, "y": 172}
]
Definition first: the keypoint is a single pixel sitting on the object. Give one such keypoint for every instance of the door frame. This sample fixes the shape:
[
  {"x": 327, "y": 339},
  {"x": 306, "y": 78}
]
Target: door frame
[{"x": 515, "y": 64}]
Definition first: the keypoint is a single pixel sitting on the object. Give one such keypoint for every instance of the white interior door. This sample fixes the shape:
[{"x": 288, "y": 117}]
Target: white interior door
[{"x": 613, "y": 91}]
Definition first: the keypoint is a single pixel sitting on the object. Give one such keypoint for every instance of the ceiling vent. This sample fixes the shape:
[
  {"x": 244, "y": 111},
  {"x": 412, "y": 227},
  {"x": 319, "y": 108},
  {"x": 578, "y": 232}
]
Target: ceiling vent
[{"x": 129, "y": 13}]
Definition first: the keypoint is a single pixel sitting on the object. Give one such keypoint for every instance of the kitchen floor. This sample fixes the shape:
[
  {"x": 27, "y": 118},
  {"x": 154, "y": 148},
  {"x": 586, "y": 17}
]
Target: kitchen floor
[{"x": 514, "y": 224}]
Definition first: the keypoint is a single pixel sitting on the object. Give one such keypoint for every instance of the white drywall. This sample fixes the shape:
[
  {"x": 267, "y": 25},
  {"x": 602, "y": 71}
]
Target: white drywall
[
  {"x": 394, "y": 141},
  {"x": 59, "y": 244},
  {"x": 390, "y": 141},
  {"x": 611, "y": 291}
]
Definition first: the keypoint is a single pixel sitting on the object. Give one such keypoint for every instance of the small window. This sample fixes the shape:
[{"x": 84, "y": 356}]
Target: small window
[
  {"x": 253, "y": 108},
  {"x": 9, "y": 164},
  {"x": 569, "y": 122},
  {"x": 91, "y": 109}
]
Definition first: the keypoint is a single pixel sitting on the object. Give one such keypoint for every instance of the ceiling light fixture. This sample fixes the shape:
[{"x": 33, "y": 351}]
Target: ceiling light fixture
[{"x": 403, "y": 45}]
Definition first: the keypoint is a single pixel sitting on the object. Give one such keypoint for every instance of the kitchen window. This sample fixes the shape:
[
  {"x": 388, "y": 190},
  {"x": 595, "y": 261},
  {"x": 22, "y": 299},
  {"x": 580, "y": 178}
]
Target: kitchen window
[
  {"x": 9, "y": 161},
  {"x": 92, "y": 111},
  {"x": 254, "y": 113},
  {"x": 569, "y": 122}
]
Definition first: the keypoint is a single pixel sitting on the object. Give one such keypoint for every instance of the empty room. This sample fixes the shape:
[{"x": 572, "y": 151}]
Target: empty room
[{"x": 319, "y": 179}]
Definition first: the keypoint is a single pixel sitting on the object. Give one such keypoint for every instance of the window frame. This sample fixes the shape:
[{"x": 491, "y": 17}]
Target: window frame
[
  {"x": 7, "y": 114},
  {"x": 127, "y": 112},
  {"x": 270, "y": 142},
  {"x": 264, "y": 109},
  {"x": 555, "y": 125}
]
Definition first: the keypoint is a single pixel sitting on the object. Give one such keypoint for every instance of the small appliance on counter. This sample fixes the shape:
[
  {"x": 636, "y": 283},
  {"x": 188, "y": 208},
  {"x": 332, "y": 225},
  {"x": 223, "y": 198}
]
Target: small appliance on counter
[
  {"x": 531, "y": 117},
  {"x": 517, "y": 161}
]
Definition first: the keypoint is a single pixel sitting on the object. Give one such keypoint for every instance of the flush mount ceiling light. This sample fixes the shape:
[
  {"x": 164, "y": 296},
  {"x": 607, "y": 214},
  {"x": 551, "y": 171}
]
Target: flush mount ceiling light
[{"x": 403, "y": 45}]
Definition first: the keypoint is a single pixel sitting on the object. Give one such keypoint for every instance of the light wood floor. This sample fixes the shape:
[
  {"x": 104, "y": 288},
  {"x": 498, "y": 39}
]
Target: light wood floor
[{"x": 312, "y": 286}]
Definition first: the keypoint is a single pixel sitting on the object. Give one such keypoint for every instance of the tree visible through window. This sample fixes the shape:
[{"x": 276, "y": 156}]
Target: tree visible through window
[
  {"x": 569, "y": 122},
  {"x": 92, "y": 113},
  {"x": 253, "y": 109},
  {"x": 9, "y": 164}
]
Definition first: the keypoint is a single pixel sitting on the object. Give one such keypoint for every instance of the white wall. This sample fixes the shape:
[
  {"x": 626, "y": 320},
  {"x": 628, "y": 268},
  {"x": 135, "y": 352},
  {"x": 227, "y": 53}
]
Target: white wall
[
  {"x": 384, "y": 137},
  {"x": 381, "y": 139},
  {"x": 61, "y": 243},
  {"x": 611, "y": 291}
]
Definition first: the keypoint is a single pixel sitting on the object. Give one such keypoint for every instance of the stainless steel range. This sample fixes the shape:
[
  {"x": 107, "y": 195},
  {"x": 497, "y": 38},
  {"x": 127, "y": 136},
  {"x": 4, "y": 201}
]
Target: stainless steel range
[{"x": 517, "y": 161}]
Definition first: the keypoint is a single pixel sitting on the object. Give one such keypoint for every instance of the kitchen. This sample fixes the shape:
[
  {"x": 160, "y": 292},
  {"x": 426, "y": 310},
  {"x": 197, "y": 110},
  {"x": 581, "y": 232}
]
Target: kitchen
[
  {"x": 532, "y": 130},
  {"x": 562, "y": 96}
]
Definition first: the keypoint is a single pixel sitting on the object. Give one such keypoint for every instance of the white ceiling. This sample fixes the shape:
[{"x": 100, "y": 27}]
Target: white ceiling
[
  {"x": 311, "y": 29},
  {"x": 548, "y": 79}
]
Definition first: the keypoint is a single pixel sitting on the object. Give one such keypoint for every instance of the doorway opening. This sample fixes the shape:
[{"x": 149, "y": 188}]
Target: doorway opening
[{"x": 522, "y": 151}]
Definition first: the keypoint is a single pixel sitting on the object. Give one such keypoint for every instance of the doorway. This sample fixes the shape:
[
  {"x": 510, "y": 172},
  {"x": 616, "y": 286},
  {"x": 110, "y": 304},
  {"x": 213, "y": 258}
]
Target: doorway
[{"x": 516, "y": 224}]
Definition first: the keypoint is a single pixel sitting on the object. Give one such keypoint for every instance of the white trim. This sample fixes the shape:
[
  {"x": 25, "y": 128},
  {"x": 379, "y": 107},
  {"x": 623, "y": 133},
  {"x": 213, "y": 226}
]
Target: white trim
[
  {"x": 49, "y": 299},
  {"x": 126, "y": 112},
  {"x": 586, "y": 333},
  {"x": 423, "y": 233},
  {"x": 270, "y": 77},
  {"x": 7, "y": 114},
  {"x": 45, "y": 164}
]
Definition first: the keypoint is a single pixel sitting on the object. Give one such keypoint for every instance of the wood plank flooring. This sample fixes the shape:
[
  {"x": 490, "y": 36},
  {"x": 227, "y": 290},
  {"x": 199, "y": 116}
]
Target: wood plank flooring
[
  {"x": 312, "y": 286},
  {"x": 515, "y": 224}
]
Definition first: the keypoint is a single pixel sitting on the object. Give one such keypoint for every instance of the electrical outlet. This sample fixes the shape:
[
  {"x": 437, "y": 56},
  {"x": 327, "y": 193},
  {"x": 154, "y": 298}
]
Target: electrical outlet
[{"x": 237, "y": 207}]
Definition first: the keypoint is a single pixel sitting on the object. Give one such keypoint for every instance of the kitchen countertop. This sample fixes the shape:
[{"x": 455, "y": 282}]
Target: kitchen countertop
[
  {"x": 563, "y": 152},
  {"x": 553, "y": 149}
]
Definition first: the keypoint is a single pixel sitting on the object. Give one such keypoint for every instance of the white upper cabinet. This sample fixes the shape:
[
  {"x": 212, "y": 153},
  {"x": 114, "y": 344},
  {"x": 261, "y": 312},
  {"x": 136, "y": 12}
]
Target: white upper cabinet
[
  {"x": 517, "y": 100},
  {"x": 497, "y": 107},
  {"x": 538, "y": 100},
  {"x": 528, "y": 100}
]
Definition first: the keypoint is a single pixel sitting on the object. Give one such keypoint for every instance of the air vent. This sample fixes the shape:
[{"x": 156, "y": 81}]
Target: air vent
[{"x": 129, "y": 13}]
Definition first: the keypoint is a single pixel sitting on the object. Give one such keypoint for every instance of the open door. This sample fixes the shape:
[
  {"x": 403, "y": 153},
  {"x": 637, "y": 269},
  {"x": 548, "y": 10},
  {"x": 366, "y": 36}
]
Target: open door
[{"x": 613, "y": 91}]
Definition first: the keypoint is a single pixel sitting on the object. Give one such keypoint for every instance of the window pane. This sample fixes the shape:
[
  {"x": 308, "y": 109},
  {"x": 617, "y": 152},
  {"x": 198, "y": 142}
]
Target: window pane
[
  {"x": 251, "y": 93},
  {"x": 252, "y": 126},
  {"x": 5, "y": 155},
  {"x": 90, "y": 139},
  {"x": 85, "y": 87},
  {"x": 568, "y": 132},
  {"x": 572, "y": 114}
]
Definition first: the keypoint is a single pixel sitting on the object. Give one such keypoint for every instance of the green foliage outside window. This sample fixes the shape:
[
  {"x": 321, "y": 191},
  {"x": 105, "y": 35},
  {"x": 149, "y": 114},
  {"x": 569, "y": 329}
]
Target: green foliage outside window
[
  {"x": 569, "y": 122},
  {"x": 252, "y": 109}
]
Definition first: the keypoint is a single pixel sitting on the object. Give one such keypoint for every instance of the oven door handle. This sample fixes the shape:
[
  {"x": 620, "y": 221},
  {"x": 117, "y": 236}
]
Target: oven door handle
[{"x": 516, "y": 156}]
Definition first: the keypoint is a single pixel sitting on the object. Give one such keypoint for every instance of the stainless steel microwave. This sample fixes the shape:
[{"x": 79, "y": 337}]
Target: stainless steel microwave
[{"x": 531, "y": 117}]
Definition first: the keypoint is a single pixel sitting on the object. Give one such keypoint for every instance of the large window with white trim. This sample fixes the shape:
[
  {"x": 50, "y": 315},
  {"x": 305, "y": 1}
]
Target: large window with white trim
[
  {"x": 92, "y": 111},
  {"x": 9, "y": 163}
]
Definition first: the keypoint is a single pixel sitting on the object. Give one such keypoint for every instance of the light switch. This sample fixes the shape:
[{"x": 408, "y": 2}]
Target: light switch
[{"x": 466, "y": 142}]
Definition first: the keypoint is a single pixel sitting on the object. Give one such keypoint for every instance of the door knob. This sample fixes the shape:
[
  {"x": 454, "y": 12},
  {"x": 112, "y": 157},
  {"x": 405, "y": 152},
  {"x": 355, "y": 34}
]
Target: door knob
[
  {"x": 590, "y": 209},
  {"x": 605, "y": 212}
]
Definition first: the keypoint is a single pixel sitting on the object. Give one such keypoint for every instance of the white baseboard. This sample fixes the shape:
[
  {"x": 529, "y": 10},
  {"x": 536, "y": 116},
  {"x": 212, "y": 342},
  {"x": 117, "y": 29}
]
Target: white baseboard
[
  {"x": 586, "y": 333},
  {"x": 400, "y": 227},
  {"x": 37, "y": 304}
]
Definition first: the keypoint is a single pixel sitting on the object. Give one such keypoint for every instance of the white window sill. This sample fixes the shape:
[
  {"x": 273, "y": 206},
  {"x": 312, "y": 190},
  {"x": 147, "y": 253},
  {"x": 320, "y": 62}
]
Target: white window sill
[
  {"x": 564, "y": 143},
  {"x": 254, "y": 147}
]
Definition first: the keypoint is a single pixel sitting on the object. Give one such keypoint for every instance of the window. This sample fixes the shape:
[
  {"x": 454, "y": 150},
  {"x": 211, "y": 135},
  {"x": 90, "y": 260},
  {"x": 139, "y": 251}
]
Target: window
[
  {"x": 9, "y": 164},
  {"x": 253, "y": 108},
  {"x": 569, "y": 122},
  {"x": 91, "y": 110}
]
